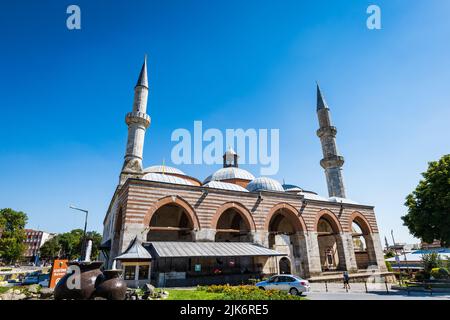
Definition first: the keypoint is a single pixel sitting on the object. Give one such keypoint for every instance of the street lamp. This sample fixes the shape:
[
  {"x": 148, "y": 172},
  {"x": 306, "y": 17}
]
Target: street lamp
[{"x": 85, "y": 226}]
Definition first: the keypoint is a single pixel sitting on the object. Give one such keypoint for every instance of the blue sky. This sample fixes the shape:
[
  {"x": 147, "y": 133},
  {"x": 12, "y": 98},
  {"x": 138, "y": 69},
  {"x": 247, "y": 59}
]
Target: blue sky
[{"x": 231, "y": 64}]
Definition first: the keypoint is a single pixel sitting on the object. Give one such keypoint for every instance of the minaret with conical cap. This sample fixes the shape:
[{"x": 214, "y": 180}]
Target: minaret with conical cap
[
  {"x": 138, "y": 121},
  {"x": 332, "y": 162}
]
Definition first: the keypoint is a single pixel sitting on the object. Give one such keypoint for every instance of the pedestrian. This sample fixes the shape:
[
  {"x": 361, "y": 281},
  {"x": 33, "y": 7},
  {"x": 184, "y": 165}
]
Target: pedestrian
[{"x": 346, "y": 279}]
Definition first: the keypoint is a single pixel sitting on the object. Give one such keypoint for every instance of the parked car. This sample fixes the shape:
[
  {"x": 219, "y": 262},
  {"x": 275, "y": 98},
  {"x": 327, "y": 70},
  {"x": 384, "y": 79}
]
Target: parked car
[{"x": 286, "y": 282}]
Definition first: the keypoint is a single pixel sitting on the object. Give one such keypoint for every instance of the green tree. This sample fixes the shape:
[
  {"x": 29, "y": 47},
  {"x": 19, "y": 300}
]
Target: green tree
[
  {"x": 431, "y": 261},
  {"x": 50, "y": 249},
  {"x": 428, "y": 205},
  {"x": 68, "y": 245},
  {"x": 12, "y": 224}
]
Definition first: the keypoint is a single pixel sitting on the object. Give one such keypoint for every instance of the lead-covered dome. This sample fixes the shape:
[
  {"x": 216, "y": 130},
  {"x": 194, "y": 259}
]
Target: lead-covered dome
[
  {"x": 264, "y": 184},
  {"x": 167, "y": 178},
  {"x": 230, "y": 173},
  {"x": 164, "y": 169}
]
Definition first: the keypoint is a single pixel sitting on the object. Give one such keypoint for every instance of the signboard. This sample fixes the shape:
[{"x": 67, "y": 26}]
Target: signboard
[
  {"x": 198, "y": 267},
  {"x": 59, "y": 269}
]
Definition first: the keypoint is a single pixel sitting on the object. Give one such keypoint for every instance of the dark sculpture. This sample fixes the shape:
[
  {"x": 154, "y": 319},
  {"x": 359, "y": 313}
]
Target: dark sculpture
[
  {"x": 110, "y": 286},
  {"x": 89, "y": 272}
]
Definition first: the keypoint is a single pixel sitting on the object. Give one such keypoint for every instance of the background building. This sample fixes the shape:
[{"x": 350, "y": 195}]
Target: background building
[{"x": 34, "y": 241}]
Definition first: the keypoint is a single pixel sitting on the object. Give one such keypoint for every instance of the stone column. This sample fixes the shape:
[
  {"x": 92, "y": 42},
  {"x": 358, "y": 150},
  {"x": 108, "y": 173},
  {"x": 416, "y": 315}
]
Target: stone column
[
  {"x": 375, "y": 251},
  {"x": 312, "y": 247},
  {"x": 347, "y": 252}
]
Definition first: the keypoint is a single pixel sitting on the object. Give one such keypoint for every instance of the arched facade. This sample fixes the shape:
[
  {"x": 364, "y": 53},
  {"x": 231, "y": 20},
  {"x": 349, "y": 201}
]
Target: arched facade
[
  {"x": 362, "y": 240},
  {"x": 331, "y": 250}
]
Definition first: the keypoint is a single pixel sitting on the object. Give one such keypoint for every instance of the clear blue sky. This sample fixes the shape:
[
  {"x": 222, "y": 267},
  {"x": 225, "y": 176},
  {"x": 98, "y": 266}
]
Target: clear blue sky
[{"x": 231, "y": 64}]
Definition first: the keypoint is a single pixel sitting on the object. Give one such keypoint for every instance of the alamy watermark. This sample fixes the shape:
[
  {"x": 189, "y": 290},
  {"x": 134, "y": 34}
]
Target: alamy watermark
[
  {"x": 374, "y": 20},
  {"x": 254, "y": 146}
]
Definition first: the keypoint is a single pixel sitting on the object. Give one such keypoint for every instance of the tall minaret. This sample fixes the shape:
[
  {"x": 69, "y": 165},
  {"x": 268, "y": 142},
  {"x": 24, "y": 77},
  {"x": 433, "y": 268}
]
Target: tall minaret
[
  {"x": 332, "y": 161},
  {"x": 138, "y": 121}
]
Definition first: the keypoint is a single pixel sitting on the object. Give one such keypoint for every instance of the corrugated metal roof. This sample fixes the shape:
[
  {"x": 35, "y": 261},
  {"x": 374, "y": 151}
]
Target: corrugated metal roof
[
  {"x": 135, "y": 251},
  {"x": 166, "y": 249}
]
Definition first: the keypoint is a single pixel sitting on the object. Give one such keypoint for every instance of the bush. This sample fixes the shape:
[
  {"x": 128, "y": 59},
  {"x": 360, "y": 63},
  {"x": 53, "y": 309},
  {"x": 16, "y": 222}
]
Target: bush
[
  {"x": 421, "y": 276},
  {"x": 439, "y": 273},
  {"x": 431, "y": 261},
  {"x": 247, "y": 293}
]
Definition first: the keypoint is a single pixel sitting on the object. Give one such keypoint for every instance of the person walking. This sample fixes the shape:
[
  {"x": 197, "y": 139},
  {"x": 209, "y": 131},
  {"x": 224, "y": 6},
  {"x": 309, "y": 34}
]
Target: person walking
[{"x": 346, "y": 279}]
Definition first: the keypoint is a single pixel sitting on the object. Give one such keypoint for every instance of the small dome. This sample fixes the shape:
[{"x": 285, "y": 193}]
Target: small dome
[
  {"x": 343, "y": 200},
  {"x": 230, "y": 173},
  {"x": 264, "y": 183},
  {"x": 292, "y": 188},
  {"x": 224, "y": 186},
  {"x": 309, "y": 195},
  {"x": 164, "y": 169},
  {"x": 167, "y": 178}
]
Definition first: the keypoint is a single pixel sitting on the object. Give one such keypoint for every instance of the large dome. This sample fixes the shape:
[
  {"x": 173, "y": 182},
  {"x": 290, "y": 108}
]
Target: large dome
[
  {"x": 264, "y": 184},
  {"x": 164, "y": 169},
  {"x": 167, "y": 178},
  {"x": 229, "y": 174}
]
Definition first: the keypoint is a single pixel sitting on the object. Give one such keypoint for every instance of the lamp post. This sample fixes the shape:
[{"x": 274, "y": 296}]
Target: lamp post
[{"x": 85, "y": 226}]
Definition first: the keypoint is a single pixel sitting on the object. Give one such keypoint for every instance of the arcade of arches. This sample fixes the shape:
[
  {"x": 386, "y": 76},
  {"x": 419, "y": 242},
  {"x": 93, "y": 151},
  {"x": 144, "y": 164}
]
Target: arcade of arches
[{"x": 284, "y": 232}]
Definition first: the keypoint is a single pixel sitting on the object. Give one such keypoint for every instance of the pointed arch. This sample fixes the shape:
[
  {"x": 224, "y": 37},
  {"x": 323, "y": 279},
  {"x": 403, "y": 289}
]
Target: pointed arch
[
  {"x": 361, "y": 221},
  {"x": 290, "y": 213},
  {"x": 174, "y": 200},
  {"x": 330, "y": 217},
  {"x": 240, "y": 208}
]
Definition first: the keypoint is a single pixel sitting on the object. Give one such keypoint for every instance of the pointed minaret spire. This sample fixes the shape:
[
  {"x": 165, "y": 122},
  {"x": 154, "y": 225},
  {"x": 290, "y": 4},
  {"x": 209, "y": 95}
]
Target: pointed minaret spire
[
  {"x": 332, "y": 162},
  {"x": 321, "y": 103},
  {"x": 143, "y": 80},
  {"x": 138, "y": 121}
]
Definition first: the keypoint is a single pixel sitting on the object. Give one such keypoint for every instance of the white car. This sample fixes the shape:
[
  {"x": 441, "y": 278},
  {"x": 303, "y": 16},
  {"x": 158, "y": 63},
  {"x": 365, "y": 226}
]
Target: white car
[{"x": 286, "y": 282}]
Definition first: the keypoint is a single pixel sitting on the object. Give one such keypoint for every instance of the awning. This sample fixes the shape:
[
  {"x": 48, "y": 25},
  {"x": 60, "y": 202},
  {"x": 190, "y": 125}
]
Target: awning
[
  {"x": 135, "y": 251},
  {"x": 172, "y": 249}
]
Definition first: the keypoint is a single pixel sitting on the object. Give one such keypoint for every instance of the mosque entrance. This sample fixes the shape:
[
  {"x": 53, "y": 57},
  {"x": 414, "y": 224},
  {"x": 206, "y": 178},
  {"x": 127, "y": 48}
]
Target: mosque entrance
[
  {"x": 285, "y": 266},
  {"x": 283, "y": 228},
  {"x": 233, "y": 226},
  {"x": 330, "y": 246},
  {"x": 170, "y": 223}
]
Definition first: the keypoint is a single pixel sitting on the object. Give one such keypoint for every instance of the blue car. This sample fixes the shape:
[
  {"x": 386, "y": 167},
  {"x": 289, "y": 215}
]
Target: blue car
[{"x": 286, "y": 282}]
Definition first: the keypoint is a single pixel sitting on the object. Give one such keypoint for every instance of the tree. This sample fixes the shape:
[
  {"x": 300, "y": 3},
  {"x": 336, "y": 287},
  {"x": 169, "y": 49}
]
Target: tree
[
  {"x": 50, "y": 249},
  {"x": 68, "y": 245},
  {"x": 428, "y": 205},
  {"x": 12, "y": 224}
]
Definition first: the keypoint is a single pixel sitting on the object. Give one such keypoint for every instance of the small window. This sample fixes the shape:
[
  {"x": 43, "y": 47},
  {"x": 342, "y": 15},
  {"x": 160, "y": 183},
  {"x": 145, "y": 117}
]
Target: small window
[
  {"x": 143, "y": 272},
  {"x": 130, "y": 272}
]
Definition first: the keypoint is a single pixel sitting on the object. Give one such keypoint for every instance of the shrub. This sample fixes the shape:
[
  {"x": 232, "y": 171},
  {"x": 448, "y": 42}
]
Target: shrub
[
  {"x": 247, "y": 293},
  {"x": 439, "y": 273},
  {"x": 430, "y": 261},
  {"x": 421, "y": 276}
]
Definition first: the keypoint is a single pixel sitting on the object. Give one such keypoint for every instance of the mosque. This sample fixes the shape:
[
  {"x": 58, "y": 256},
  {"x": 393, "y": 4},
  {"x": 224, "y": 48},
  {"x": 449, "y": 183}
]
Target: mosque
[{"x": 168, "y": 228}]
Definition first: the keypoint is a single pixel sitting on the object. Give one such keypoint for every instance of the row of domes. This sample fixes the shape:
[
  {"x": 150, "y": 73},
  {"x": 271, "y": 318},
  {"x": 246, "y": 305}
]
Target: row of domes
[{"x": 230, "y": 178}]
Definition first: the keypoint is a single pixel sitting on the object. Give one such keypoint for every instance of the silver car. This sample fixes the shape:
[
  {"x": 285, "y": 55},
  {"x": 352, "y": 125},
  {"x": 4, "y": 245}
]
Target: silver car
[{"x": 286, "y": 282}]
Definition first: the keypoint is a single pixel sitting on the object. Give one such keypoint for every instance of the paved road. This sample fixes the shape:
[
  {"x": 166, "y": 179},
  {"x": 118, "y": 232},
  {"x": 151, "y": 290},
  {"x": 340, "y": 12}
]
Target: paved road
[{"x": 393, "y": 295}]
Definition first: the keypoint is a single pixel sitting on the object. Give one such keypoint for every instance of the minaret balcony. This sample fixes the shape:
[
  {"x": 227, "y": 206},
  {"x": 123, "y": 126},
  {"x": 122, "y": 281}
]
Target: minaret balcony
[
  {"x": 327, "y": 131},
  {"x": 138, "y": 118},
  {"x": 332, "y": 161}
]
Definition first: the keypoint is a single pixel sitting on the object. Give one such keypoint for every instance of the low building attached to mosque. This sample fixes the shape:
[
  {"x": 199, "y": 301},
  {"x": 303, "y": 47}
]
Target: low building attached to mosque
[{"x": 168, "y": 228}]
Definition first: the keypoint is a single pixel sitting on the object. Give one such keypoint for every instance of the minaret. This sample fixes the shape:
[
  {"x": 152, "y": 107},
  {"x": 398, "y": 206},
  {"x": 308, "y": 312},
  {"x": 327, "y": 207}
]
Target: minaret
[
  {"x": 138, "y": 121},
  {"x": 332, "y": 162}
]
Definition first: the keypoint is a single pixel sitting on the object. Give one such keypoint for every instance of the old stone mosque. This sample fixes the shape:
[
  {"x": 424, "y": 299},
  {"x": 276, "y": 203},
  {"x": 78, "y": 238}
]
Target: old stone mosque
[{"x": 168, "y": 228}]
